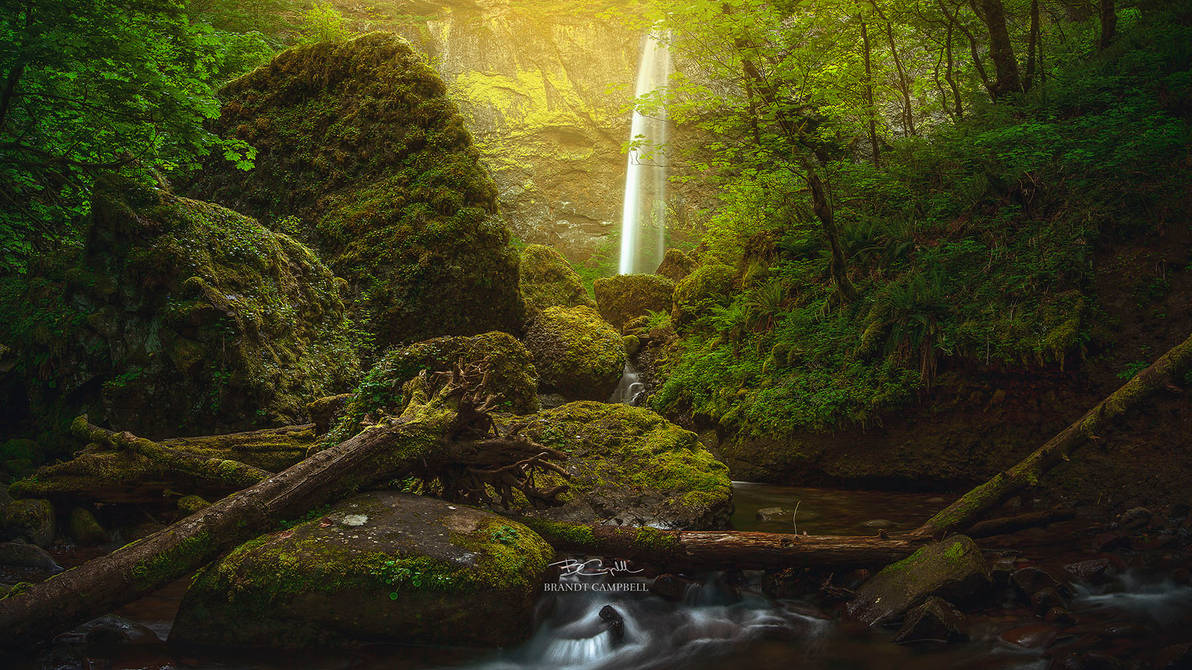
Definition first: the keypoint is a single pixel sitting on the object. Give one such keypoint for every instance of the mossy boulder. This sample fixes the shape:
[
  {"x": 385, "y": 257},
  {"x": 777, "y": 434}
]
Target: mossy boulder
[
  {"x": 512, "y": 380},
  {"x": 379, "y": 567},
  {"x": 362, "y": 152},
  {"x": 29, "y": 519},
  {"x": 622, "y": 298},
  {"x": 85, "y": 528},
  {"x": 953, "y": 569},
  {"x": 676, "y": 265},
  {"x": 706, "y": 286},
  {"x": 547, "y": 280},
  {"x": 628, "y": 465},
  {"x": 178, "y": 317},
  {"x": 577, "y": 353}
]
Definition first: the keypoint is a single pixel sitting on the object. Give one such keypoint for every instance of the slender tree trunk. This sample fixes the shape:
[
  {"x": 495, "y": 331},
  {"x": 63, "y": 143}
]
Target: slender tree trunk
[
  {"x": 954, "y": 20},
  {"x": 1032, "y": 47},
  {"x": 821, "y": 203},
  {"x": 950, "y": 67},
  {"x": 1164, "y": 373},
  {"x": 904, "y": 86},
  {"x": 870, "y": 107},
  {"x": 1108, "y": 23},
  {"x": 1001, "y": 50}
]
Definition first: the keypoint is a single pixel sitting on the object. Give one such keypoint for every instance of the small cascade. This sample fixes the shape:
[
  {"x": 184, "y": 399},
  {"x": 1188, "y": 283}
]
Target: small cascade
[
  {"x": 630, "y": 390},
  {"x": 643, "y": 215}
]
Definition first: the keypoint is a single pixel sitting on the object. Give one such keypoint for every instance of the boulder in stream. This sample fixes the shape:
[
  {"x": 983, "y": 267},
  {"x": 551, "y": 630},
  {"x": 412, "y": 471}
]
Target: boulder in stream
[
  {"x": 953, "y": 569},
  {"x": 379, "y": 567},
  {"x": 629, "y": 465},
  {"x": 547, "y": 280},
  {"x": 29, "y": 519},
  {"x": 935, "y": 620},
  {"x": 577, "y": 353}
]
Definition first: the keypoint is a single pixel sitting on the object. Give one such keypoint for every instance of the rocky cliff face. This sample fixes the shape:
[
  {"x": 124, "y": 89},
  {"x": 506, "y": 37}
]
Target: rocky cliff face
[{"x": 545, "y": 87}]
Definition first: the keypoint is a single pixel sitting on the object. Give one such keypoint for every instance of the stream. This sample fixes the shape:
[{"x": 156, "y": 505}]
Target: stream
[{"x": 716, "y": 622}]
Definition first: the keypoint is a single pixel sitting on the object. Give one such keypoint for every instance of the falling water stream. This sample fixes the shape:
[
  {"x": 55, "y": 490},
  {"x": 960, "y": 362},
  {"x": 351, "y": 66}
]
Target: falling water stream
[{"x": 643, "y": 214}]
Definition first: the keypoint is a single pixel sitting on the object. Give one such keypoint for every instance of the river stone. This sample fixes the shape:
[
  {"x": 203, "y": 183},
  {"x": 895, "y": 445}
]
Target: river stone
[
  {"x": 85, "y": 529},
  {"x": 379, "y": 567},
  {"x": 936, "y": 619},
  {"x": 953, "y": 569},
  {"x": 29, "y": 519},
  {"x": 775, "y": 514},
  {"x": 576, "y": 353},
  {"x": 547, "y": 280},
  {"x": 629, "y": 465},
  {"x": 23, "y": 555},
  {"x": 623, "y": 298}
]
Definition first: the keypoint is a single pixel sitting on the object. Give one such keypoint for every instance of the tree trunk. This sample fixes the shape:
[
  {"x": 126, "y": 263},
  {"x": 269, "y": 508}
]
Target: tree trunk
[
  {"x": 1164, "y": 373},
  {"x": 950, "y": 68},
  {"x": 904, "y": 86},
  {"x": 1001, "y": 50},
  {"x": 822, "y": 206},
  {"x": 1108, "y": 23},
  {"x": 1032, "y": 48},
  {"x": 870, "y": 107},
  {"x": 695, "y": 549}
]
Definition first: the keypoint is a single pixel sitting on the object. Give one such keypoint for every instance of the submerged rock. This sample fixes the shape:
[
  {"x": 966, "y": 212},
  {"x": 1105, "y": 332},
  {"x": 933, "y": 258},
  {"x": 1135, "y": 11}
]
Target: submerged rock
[
  {"x": 23, "y": 555},
  {"x": 707, "y": 285},
  {"x": 178, "y": 317},
  {"x": 577, "y": 354},
  {"x": 361, "y": 150},
  {"x": 511, "y": 378},
  {"x": 628, "y": 465},
  {"x": 380, "y": 567},
  {"x": 953, "y": 569},
  {"x": 935, "y": 620},
  {"x": 623, "y": 298},
  {"x": 547, "y": 280}
]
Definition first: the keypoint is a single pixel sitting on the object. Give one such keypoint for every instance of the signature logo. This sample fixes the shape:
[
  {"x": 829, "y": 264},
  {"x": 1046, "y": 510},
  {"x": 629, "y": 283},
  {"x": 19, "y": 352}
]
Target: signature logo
[{"x": 593, "y": 567}]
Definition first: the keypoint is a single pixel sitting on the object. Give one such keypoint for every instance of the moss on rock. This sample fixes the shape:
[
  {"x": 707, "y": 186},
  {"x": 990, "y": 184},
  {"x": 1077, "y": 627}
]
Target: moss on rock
[
  {"x": 85, "y": 528},
  {"x": 361, "y": 143},
  {"x": 577, "y": 353},
  {"x": 547, "y": 280},
  {"x": 178, "y": 317},
  {"x": 512, "y": 378},
  {"x": 622, "y": 298},
  {"x": 29, "y": 519},
  {"x": 676, "y": 265},
  {"x": 382, "y": 567},
  {"x": 630, "y": 465},
  {"x": 706, "y": 285}
]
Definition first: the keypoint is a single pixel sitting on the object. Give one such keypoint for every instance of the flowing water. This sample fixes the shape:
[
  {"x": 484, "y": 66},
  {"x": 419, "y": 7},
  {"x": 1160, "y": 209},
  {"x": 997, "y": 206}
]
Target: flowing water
[
  {"x": 643, "y": 214},
  {"x": 630, "y": 390}
]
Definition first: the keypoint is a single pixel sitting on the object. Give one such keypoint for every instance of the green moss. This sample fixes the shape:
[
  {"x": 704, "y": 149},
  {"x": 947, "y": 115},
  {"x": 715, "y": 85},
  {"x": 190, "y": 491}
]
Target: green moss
[
  {"x": 163, "y": 568},
  {"x": 577, "y": 353},
  {"x": 676, "y": 265},
  {"x": 360, "y": 142},
  {"x": 547, "y": 280},
  {"x": 622, "y": 298},
  {"x": 707, "y": 285},
  {"x": 30, "y": 519}
]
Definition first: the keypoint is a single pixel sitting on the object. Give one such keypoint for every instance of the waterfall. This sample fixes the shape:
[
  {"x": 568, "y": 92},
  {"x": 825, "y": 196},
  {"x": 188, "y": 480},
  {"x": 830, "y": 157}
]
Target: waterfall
[{"x": 643, "y": 215}]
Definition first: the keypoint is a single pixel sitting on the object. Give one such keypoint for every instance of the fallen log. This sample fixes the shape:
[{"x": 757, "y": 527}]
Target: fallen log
[
  {"x": 415, "y": 440},
  {"x": 695, "y": 549},
  {"x": 1165, "y": 373}
]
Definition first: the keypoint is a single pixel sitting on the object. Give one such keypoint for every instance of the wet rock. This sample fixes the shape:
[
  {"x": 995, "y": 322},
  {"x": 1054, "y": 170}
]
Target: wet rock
[
  {"x": 23, "y": 555},
  {"x": 548, "y": 280},
  {"x": 1048, "y": 598},
  {"x": 110, "y": 632},
  {"x": 192, "y": 504},
  {"x": 878, "y": 523},
  {"x": 382, "y": 567},
  {"x": 576, "y": 353},
  {"x": 936, "y": 619},
  {"x": 1134, "y": 518},
  {"x": 633, "y": 344},
  {"x": 85, "y": 529},
  {"x": 1031, "y": 579},
  {"x": 615, "y": 622},
  {"x": 622, "y": 298},
  {"x": 1110, "y": 541},
  {"x": 676, "y": 265},
  {"x": 774, "y": 514},
  {"x": 1031, "y": 636},
  {"x": 629, "y": 465},
  {"x": 671, "y": 587},
  {"x": 953, "y": 569},
  {"x": 1089, "y": 660},
  {"x": 1094, "y": 570},
  {"x": 29, "y": 519},
  {"x": 1059, "y": 616}
]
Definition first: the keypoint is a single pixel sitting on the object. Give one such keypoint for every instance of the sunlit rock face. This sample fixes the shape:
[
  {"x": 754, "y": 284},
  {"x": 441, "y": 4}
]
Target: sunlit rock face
[{"x": 546, "y": 89}]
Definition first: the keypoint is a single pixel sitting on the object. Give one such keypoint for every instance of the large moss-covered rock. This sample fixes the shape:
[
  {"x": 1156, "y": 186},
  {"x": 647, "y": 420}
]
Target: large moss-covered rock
[
  {"x": 547, "y": 280},
  {"x": 177, "y": 317},
  {"x": 577, "y": 354},
  {"x": 361, "y": 144},
  {"x": 629, "y": 465},
  {"x": 29, "y": 519},
  {"x": 511, "y": 377},
  {"x": 706, "y": 285},
  {"x": 953, "y": 569},
  {"x": 382, "y": 567},
  {"x": 676, "y": 265},
  {"x": 623, "y": 298}
]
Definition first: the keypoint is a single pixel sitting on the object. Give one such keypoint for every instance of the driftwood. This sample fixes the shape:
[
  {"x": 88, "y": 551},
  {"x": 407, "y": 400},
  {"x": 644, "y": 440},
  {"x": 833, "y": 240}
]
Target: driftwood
[{"x": 1165, "y": 373}]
